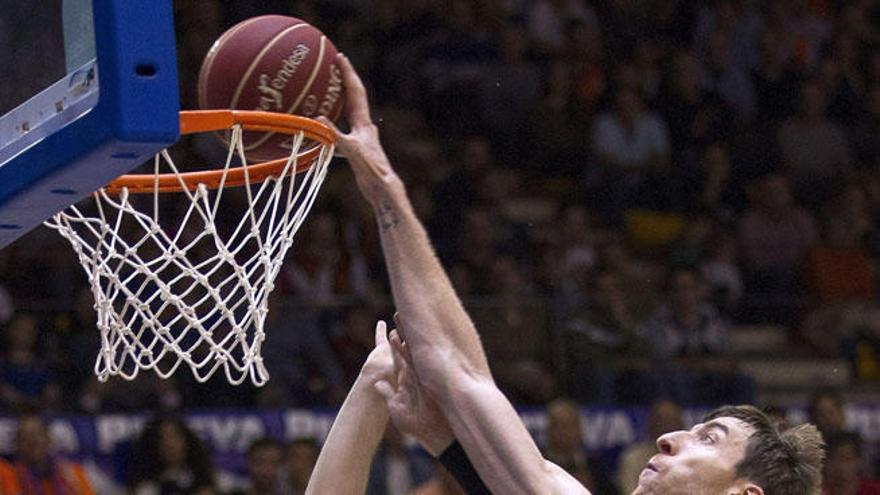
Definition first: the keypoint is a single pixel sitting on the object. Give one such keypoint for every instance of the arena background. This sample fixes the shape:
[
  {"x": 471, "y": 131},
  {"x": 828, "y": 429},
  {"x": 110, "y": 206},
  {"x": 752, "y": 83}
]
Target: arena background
[{"x": 637, "y": 200}]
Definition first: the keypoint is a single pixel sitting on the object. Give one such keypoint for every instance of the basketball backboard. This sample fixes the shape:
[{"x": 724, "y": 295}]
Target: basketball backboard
[{"x": 90, "y": 92}]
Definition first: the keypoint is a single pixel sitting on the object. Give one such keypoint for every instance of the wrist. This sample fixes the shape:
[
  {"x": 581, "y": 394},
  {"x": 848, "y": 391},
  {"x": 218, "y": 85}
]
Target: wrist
[{"x": 364, "y": 385}]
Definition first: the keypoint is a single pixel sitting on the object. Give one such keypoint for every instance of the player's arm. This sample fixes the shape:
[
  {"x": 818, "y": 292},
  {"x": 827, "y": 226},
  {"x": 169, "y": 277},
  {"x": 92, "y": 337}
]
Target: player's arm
[
  {"x": 446, "y": 350},
  {"x": 485, "y": 424},
  {"x": 415, "y": 413},
  {"x": 420, "y": 287},
  {"x": 343, "y": 466},
  {"x": 496, "y": 441}
]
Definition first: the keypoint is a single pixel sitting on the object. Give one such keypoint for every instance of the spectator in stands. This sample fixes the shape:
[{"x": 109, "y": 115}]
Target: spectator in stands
[
  {"x": 695, "y": 115},
  {"x": 25, "y": 380},
  {"x": 304, "y": 367},
  {"x": 168, "y": 458},
  {"x": 720, "y": 270},
  {"x": 804, "y": 28},
  {"x": 395, "y": 470},
  {"x": 521, "y": 364},
  {"x": 865, "y": 136},
  {"x": 665, "y": 416},
  {"x": 70, "y": 346},
  {"x": 505, "y": 104},
  {"x": 775, "y": 235},
  {"x": 601, "y": 343},
  {"x": 353, "y": 338},
  {"x": 451, "y": 63},
  {"x": 775, "y": 80},
  {"x": 115, "y": 395},
  {"x": 574, "y": 256},
  {"x": 840, "y": 279},
  {"x": 713, "y": 189},
  {"x": 547, "y": 21},
  {"x": 323, "y": 270},
  {"x": 265, "y": 460},
  {"x": 687, "y": 325},
  {"x": 731, "y": 82},
  {"x": 479, "y": 240},
  {"x": 815, "y": 150},
  {"x": 556, "y": 124},
  {"x": 473, "y": 159},
  {"x": 647, "y": 58},
  {"x": 584, "y": 53},
  {"x": 642, "y": 277},
  {"x": 685, "y": 331},
  {"x": 842, "y": 79},
  {"x": 37, "y": 470},
  {"x": 8, "y": 480},
  {"x": 631, "y": 144},
  {"x": 826, "y": 410},
  {"x": 740, "y": 22},
  {"x": 843, "y": 473},
  {"x": 565, "y": 446},
  {"x": 302, "y": 454},
  {"x": 689, "y": 249}
]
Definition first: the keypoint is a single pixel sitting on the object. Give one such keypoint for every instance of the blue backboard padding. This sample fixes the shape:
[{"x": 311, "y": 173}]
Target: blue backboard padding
[{"x": 137, "y": 114}]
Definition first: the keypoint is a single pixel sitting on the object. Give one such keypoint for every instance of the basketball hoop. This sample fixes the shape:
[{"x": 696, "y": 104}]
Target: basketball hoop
[{"x": 187, "y": 280}]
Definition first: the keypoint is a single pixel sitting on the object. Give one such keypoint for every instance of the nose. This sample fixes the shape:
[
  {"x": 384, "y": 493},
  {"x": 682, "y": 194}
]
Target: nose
[{"x": 668, "y": 443}]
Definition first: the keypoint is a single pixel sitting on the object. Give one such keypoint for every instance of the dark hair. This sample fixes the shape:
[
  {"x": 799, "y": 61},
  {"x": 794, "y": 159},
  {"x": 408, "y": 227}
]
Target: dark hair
[
  {"x": 785, "y": 462},
  {"x": 146, "y": 463}
]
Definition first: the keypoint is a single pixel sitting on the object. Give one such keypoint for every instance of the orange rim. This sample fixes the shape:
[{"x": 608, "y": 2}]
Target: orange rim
[{"x": 196, "y": 121}]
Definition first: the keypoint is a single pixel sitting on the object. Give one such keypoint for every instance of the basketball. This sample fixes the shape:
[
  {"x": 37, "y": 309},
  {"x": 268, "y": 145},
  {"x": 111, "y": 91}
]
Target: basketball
[{"x": 272, "y": 63}]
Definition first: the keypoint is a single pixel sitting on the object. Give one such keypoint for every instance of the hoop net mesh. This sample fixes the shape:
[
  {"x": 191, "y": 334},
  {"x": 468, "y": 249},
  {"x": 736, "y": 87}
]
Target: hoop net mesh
[{"x": 188, "y": 281}]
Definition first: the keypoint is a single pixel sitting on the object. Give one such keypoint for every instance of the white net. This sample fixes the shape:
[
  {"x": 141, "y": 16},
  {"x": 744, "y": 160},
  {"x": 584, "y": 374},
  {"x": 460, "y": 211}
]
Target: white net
[{"x": 185, "y": 277}]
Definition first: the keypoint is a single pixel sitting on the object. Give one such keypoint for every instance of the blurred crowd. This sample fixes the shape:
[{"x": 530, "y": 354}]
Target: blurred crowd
[
  {"x": 168, "y": 458},
  {"x": 613, "y": 186}
]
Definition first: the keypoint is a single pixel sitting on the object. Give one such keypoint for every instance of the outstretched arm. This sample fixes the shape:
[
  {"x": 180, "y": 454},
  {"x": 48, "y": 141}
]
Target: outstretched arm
[
  {"x": 343, "y": 466},
  {"x": 420, "y": 287},
  {"x": 446, "y": 350}
]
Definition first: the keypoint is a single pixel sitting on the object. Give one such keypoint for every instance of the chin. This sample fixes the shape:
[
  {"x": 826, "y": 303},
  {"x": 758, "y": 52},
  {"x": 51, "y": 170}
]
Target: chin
[
  {"x": 647, "y": 483},
  {"x": 642, "y": 490}
]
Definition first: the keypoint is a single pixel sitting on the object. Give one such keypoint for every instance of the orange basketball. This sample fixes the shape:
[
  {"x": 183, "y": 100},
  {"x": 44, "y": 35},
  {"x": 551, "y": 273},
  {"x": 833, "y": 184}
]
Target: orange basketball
[{"x": 272, "y": 63}]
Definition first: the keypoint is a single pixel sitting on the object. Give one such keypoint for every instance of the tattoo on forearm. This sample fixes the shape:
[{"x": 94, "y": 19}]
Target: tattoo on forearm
[{"x": 388, "y": 218}]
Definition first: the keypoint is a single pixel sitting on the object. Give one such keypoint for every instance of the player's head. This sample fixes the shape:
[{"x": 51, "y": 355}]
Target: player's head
[
  {"x": 32, "y": 439},
  {"x": 264, "y": 459},
  {"x": 736, "y": 450},
  {"x": 826, "y": 410}
]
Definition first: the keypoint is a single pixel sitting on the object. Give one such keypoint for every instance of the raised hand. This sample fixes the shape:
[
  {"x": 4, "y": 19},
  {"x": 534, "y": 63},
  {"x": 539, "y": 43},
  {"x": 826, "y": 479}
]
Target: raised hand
[
  {"x": 410, "y": 408},
  {"x": 361, "y": 145},
  {"x": 380, "y": 363}
]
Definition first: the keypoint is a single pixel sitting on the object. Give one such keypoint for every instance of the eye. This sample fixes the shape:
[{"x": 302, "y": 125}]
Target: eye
[{"x": 708, "y": 438}]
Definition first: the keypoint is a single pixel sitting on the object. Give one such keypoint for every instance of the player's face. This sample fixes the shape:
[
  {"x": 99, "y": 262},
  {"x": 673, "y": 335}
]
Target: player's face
[{"x": 700, "y": 460}]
